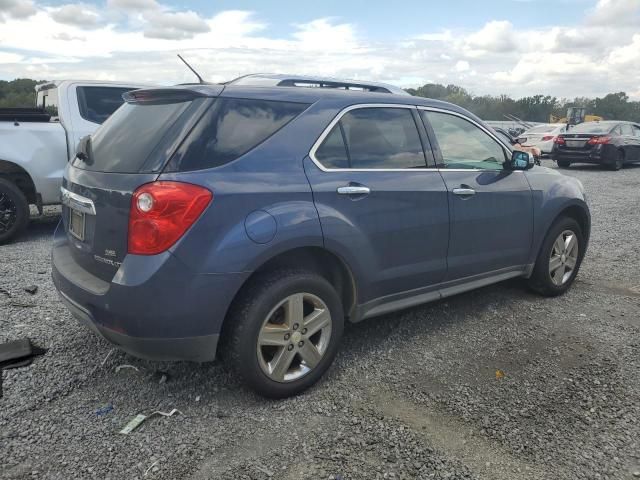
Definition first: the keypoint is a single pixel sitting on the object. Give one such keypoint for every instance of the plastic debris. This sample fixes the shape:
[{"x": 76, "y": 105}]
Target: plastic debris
[
  {"x": 197, "y": 398},
  {"x": 136, "y": 421},
  {"x": 104, "y": 410},
  {"x": 18, "y": 353},
  {"x": 499, "y": 374},
  {"x": 120, "y": 367},
  {"x": 32, "y": 289}
]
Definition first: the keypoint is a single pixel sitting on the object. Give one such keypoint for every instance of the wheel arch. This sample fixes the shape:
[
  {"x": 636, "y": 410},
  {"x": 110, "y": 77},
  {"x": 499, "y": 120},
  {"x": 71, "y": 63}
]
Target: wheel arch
[
  {"x": 21, "y": 178},
  {"x": 313, "y": 258}
]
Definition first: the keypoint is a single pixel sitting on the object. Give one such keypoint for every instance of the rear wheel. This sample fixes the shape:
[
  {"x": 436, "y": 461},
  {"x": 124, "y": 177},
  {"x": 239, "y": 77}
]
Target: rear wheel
[
  {"x": 564, "y": 163},
  {"x": 559, "y": 258},
  {"x": 14, "y": 211},
  {"x": 618, "y": 162},
  {"x": 285, "y": 332}
]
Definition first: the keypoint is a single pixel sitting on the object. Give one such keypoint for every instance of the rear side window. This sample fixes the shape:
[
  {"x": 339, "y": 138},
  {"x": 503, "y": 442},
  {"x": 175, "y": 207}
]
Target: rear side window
[
  {"x": 375, "y": 138},
  {"x": 230, "y": 129},
  {"x": 127, "y": 138},
  {"x": 627, "y": 130},
  {"x": 96, "y": 104}
]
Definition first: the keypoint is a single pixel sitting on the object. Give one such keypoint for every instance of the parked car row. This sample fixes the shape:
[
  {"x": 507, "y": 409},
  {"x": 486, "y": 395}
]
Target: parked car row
[{"x": 255, "y": 218}]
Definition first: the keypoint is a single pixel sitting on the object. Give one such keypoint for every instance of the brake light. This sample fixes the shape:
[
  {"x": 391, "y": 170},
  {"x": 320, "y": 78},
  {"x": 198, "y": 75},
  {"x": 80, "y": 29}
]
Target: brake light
[
  {"x": 599, "y": 140},
  {"x": 546, "y": 138},
  {"x": 559, "y": 140},
  {"x": 161, "y": 212}
]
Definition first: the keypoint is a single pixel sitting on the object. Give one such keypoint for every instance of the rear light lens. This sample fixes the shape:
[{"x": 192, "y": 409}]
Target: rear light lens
[
  {"x": 599, "y": 140},
  {"x": 546, "y": 138},
  {"x": 559, "y": 140},
  {"x": 160, "y": 214}
]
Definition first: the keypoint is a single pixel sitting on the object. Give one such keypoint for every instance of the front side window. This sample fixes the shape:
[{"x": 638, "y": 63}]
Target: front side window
[
  {"x": 636, "y": 131},
  {"x": 463, "y": 144},
  {"x": 96, "y": 104},
  {"x": 373, "y": 138}
]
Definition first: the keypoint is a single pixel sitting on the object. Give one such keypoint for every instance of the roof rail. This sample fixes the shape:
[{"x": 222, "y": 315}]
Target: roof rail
[{"x": 283, "y": 80}]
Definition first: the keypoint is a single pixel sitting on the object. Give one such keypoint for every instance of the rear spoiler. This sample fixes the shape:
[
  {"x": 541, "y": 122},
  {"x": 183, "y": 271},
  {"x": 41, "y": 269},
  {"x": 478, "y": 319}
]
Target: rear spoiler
[{"x": 169, "y": 95}]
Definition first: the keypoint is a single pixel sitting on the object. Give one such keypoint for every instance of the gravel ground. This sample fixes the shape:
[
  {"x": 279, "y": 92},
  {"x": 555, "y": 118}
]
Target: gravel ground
[{"x": 495, "y": 384}]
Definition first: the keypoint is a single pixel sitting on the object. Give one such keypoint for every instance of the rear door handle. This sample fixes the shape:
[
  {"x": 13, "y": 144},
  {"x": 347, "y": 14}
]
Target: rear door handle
[
  {"x": 464, "y": 192},
  {"x": 354, "y": 190}
]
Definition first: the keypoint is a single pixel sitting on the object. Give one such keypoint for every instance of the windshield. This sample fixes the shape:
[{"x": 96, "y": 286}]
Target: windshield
[{"x": 592, "y": 127}]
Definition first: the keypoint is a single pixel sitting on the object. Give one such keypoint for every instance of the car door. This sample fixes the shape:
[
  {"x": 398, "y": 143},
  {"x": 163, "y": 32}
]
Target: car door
[
  {"x": 636, "y": 142},
  {"x": 491, "y": 207},
  {"x": 380, "y": 206}
]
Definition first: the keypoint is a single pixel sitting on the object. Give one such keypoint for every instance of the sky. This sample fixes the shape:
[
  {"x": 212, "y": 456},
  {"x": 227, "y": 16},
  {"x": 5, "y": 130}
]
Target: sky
[{"x": 565, "y": 48}]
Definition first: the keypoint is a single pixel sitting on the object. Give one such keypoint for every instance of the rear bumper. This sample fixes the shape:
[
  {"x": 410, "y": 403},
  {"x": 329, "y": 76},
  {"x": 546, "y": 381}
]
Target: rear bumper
[
  {"x": 197, "y": 349},
  {"x": 155, "y": 307},
  {"x": 597, "y": 155}
]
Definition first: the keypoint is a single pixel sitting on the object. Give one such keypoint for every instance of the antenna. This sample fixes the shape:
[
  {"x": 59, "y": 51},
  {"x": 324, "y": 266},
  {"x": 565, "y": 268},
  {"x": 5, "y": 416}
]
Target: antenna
[{"x": 191, "y": 68}]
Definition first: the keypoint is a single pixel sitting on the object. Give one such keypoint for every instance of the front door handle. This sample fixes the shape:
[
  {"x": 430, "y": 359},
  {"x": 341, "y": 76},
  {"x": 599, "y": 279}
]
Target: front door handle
[
  {"x": 354, "y": 190},
  {"x": 464, "y": 192}
]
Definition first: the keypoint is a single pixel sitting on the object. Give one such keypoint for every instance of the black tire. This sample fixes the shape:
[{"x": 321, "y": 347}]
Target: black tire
[
  {"x": 246, "y": 318},
  {"x": 618, "y": 162},
  {"x": 540, "y": 280},
  {"x": 14, "y": 211},
  {"x": 564, "y": 163}
]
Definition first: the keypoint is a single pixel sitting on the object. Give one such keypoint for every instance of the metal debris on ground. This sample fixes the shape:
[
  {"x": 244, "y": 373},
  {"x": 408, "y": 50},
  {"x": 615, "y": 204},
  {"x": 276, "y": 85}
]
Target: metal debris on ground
[
  {"x": 120, "y": 367},
  {"x": 136, "y": 421}
]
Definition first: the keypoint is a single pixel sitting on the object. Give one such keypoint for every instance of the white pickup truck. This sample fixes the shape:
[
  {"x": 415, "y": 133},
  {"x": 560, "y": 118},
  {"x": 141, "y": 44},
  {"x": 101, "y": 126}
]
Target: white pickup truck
[{"x": 36, "y": 143}]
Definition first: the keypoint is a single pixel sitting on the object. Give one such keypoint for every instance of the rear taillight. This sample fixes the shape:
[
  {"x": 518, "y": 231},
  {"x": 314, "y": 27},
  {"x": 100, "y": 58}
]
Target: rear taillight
[
  {"x": 160, "y": 214},
  {"x": 599, "y": 140},
  {"x": 559, "y": 140},
  {"x": 546, "y": 138}
]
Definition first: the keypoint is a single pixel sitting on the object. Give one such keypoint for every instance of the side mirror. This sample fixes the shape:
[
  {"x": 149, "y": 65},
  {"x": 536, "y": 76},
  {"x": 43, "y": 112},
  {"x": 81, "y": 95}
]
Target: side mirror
[{"x": 521, "y": 160}]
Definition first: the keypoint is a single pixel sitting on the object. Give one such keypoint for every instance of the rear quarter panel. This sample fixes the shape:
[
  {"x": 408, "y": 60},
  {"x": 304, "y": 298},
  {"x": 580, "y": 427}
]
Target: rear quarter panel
[
  {"x": 39, "y": 148},
  {"x": 553, "y": 193}
]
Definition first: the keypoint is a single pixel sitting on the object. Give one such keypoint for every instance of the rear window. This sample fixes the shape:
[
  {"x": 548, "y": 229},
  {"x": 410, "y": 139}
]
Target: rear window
[
  {"x": 96, "y": 104},
  {"x": 591, "y": 127},
  {"x": 125, "y": 141},
  {"x": 230, "y": 129}
]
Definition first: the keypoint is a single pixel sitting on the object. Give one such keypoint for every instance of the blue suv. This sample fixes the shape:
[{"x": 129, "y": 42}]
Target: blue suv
[{"x": 260, "y": 218}]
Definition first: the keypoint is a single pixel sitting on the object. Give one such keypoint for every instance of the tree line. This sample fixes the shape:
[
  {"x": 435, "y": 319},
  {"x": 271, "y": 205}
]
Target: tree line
[{"x": 536, "y": 108}]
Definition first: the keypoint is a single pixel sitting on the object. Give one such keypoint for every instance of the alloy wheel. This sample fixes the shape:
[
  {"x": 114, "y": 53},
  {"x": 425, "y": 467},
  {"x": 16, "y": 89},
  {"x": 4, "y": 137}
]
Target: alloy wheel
[
  {"x": 564, "y": 257},
  {"x": 294, "y": 337}
]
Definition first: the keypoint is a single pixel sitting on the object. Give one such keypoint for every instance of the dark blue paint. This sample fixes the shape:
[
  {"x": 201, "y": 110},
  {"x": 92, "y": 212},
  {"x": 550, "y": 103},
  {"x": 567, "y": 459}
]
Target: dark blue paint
[{"x": 409, "y": 238}]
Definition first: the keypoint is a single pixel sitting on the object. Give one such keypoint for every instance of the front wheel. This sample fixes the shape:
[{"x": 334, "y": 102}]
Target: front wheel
[
  {"x": 14, "y": 211},
  {"x": 285, "y": 329},
  {"x": 564, "y": 163},
  {"x": 559, "y": 258}
]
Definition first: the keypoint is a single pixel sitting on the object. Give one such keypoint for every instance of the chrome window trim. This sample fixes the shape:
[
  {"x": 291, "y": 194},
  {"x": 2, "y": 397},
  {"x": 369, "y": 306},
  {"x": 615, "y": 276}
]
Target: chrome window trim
[{"x": 344, "y": 111}]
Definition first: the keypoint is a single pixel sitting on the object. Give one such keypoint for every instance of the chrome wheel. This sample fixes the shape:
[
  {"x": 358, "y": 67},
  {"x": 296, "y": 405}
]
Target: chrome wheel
[
  {"x": 294, "y": 337},
  {"x": 564, "y": 257}
]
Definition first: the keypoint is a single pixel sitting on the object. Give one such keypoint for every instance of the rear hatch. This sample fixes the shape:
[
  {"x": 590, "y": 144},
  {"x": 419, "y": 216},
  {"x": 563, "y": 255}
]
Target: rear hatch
[{"x": 128, "y": 150}]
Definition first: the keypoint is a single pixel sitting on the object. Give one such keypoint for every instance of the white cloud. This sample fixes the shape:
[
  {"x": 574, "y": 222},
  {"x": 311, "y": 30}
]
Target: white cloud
[
  {"x": 174, "y": 26},
  {"x": 16, "y": 9},
  {"x": 76, "y": 14},
  {"x": 137, "y": 40}
]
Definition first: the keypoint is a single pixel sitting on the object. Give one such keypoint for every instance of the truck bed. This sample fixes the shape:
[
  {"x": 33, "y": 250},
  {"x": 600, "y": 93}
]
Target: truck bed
[{"x": 24, "y": 115}]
